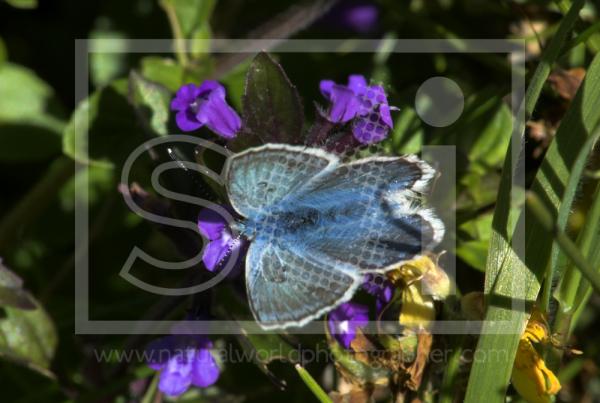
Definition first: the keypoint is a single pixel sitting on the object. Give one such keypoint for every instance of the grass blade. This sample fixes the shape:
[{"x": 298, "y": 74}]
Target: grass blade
[
  {"x": 563, "y": 214},
  {"x": 505, "y": 268}
]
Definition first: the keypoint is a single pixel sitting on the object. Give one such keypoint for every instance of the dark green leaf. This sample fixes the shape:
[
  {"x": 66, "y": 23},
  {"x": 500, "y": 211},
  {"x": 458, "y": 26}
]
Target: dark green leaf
[
  {"x": 103, "y": 129},
  {"x": 3, "y": 52},
  {"x": 272, "y": 109}
]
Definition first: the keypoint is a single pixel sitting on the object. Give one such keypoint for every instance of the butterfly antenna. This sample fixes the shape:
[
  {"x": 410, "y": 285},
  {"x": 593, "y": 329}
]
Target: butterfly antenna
[{"x": 202, "y": 187}]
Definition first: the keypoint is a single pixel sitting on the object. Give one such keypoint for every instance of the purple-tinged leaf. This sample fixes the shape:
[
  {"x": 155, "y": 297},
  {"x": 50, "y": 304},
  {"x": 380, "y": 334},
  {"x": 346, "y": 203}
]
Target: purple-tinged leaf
[{"x": 272, "y": 110}]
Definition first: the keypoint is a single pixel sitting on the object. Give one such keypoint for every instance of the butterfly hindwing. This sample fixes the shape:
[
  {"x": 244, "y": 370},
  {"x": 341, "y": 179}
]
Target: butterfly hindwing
[{"x": 287, "y": 287}]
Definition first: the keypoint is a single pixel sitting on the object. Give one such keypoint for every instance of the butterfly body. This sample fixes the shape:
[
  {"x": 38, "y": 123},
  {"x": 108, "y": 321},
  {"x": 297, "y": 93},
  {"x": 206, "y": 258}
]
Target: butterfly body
[{"x": 317, "y": 225}]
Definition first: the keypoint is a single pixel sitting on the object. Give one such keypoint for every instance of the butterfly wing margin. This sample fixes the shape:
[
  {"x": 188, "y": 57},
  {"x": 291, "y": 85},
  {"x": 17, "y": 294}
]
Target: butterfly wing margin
[
  {"x": 288, "y": 288},
  {"x": 260, "y": 177}
]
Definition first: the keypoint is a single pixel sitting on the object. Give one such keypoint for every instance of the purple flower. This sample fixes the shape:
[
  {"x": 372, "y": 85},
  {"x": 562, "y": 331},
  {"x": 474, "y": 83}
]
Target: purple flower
[
  {"x": 359, "y": 16},
  {"x": 221, "y": 243},
  {"x": 381, "y": 288},
  {"x": 183, "y": 360},
  {"x": 345, "y": 319},
  {"x": 202, "y": 105},
  {"x": 366, "y": 105},
  {"x": 355, "y": 15}
]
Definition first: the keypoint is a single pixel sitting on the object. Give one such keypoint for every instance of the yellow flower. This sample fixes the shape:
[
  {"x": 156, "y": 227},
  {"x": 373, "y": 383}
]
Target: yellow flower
[
  {"x": 530, "y": 376},
  {"x": 422, "y": 281}
]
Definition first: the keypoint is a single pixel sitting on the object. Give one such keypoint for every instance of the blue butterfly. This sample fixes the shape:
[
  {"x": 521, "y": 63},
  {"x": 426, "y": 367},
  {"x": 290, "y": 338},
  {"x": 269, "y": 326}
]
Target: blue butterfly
[{"x": 317, "y": 225}]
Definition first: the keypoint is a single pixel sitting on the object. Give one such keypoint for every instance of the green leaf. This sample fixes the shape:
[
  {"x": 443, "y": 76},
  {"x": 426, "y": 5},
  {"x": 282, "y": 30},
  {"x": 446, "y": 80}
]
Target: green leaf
[
  {"x": 272, "y": 108},
  {"x": 483, "y": 132},
  {"x": 25, "y": 4},
  {"x": 473, "y": 250},
  {"x": 474, "y": 253},
  {"x": 27, "y": 334},
  {"x": 103, "y": 130},
  {"x": 106, "y": 66},
  {"x": 151, "y": 102},
  {"x": 477, "y": 190},
  {"x": 31, "y": 120},
  {"x": 408, "y": 134},
  {"x": 234, "y": 81},
  {"x": 11, "y": 290},
  {"x": 164, "y": 71}
]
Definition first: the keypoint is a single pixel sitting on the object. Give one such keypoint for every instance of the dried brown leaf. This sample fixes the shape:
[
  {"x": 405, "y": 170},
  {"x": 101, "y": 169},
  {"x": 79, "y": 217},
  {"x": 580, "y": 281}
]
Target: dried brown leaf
[
  {"x": 566, "y": 82},
  {"x": 417, "y": 368}
]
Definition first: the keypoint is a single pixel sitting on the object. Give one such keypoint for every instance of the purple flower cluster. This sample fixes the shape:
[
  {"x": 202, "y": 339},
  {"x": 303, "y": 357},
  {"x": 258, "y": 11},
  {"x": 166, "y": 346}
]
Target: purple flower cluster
[
  {"x": 183, "y": 360},
  {"x": 363, "y": 104},
  {"x": 205, "y": 105},
  {"x": 366, "y": 105}
]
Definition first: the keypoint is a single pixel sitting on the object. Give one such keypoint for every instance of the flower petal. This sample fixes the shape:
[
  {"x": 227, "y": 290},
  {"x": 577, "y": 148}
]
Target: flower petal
[
  {"x": 218, "y": 115},
  {"x": 176, "y": 377},
  {"x": 209, "y": 86},
  {"x": 345, "y": 319},
  {"x": 325, "y": 87},
  {"x": 186, "y": 121},
  {"x": 185, "y": 96},
  {"x": 158, "y": 352},
  {"x": 211, "y": 224},
  {"x": 357, "y": 83},
  {"x": 205, "y": 370},
  {"x": 344, "y": 104},
  {"x": 173, "y": 383},
  {"x": 381, "y": 288}
]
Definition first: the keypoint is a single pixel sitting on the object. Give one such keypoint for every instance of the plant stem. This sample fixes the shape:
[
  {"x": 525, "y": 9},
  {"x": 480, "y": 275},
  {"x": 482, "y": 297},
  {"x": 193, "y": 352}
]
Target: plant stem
[
  {"x": 572, "y": 294},
  {"x": 313, "y": 385},
  {"x": 569, "y": 248},
  {"x": 178, "y": 39}
]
